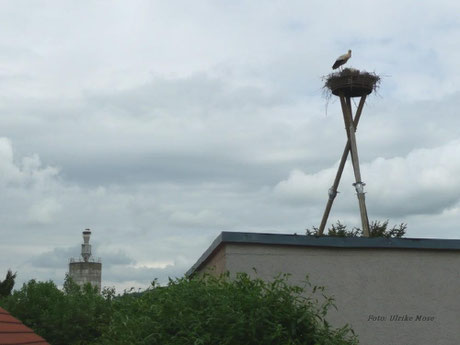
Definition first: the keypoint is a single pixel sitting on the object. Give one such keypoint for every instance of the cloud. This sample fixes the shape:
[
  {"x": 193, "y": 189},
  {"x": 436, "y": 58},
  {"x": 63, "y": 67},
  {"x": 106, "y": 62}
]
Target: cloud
[
  {"x": 158, "y": 125},
  {"x": 144, "y": 275},
  {"x": 54, "y": 259},
  {"x": 304, "y": 188},
  {"x": 118, "y": 268},
  {"x": 427, "y": 181},
  {"x": 423, "y": 182},
  {"x": 29, "y": 172},
  {"x": 44, "y": 211},
  {"x": 201, "y": 218}
]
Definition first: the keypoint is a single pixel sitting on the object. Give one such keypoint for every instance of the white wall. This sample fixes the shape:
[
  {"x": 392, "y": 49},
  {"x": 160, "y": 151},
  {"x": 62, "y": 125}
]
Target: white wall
[{"x": 370, "y": 285}]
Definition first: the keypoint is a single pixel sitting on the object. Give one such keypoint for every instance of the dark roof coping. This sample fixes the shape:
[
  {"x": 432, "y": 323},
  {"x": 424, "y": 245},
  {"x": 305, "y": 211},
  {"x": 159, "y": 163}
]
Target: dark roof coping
[{"x": 325, "y": 242}]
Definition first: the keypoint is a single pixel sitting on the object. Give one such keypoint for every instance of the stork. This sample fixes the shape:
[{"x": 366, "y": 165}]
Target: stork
[{"x": 342, "y": 59}]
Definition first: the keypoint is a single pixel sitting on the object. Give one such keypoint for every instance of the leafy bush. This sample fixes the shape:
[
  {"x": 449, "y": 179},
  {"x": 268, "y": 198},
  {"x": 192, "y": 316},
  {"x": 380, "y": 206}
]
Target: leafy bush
[
  {"x": 200, "y": 311},
  {"x": 219, "y": 310},
  {"x": 376, "y": 229}
]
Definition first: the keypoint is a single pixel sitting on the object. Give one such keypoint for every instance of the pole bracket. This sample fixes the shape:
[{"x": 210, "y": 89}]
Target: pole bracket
[
  {"x": 332, "y": 193},
  {"x": 359, "y": 186}
]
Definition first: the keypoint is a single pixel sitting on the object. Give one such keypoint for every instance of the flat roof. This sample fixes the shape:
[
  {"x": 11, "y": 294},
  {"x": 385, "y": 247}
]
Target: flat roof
[{"x": 324, "y": 242}]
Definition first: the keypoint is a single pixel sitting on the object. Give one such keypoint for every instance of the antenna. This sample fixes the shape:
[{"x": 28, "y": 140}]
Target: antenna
[{"x": 86, "y": 247}]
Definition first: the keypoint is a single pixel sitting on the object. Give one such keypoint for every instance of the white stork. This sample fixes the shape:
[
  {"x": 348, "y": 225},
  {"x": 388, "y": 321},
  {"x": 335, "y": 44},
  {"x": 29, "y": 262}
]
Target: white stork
[{"x": 342, "y": 59}]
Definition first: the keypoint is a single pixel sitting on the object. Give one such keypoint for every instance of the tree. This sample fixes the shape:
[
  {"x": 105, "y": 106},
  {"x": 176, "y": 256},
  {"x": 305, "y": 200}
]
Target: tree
[
  {"x": 376, "y": 229},
  {"x": 74, "y": 315},
  {"x": 6, "y": 286}
]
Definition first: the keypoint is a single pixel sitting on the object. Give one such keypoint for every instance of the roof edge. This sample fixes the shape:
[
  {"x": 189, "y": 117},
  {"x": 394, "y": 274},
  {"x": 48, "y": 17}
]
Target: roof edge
[
  {"x": 207, "y": 254},
  {"x": 324, "y": 242}
]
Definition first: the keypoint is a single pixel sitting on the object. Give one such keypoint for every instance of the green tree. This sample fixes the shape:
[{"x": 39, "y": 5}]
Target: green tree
[
  {"x": 6, "y": 286},
  {"x": 74, "y": 315},
  {"x": 376, "y": 229}
]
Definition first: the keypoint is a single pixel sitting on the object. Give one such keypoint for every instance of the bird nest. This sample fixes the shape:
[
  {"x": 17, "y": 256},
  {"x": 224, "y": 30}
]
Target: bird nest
[{"x": 350, "y": 82}]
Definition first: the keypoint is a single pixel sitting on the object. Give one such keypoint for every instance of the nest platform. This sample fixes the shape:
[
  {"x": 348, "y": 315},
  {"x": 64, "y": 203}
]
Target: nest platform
[{"x": 351, "y": 83}]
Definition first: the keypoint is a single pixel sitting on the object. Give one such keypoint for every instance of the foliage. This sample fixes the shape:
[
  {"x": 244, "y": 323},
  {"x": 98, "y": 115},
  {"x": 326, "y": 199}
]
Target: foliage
[
  {"x": 376, "y": 229},
  {"x": 204, "y": 310},
  {"x": 6, "y": 286},
  {"x": 75, "y": 315},
  {"x": 220, "y": 310}
]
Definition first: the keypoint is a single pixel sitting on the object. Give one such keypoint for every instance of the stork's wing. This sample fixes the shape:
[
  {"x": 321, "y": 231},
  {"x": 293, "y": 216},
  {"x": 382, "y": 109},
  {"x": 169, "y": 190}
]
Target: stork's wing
[
  {"x": 338, "y": 63},
  {"x": 343, "y": 57}
]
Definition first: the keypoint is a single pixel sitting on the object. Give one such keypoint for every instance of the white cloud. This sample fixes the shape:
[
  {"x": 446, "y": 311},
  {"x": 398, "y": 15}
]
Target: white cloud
[
  {"x": 304, "y": 188},
  {"x": 425, "y": 181},
  {"x": 29, "y": 172}
]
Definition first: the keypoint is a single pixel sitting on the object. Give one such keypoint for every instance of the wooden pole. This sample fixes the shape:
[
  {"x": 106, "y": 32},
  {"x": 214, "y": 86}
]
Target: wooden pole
[
  {"x": 359, "y": 185},
  {"x": 333, "y": 190}
]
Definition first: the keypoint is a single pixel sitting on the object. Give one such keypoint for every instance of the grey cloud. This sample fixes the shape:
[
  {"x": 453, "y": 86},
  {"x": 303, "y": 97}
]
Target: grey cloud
[
  {"x": 111, "y": 258},
  {"x": 183, "y": 96},
  {"x": 117, "y": 265},
  {"x": 57, "y": 258},
  {"x": 164, "y": 128}
]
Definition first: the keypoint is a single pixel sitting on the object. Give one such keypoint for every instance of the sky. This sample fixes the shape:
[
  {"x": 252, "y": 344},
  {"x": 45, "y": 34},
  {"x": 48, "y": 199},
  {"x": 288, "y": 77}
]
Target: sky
[{"x": 159, "y": 124}]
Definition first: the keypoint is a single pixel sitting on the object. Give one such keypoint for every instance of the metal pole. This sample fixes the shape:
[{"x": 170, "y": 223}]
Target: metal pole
[
  {"x": 333, "y": 190},
  {"x": 359, "y": 185}
]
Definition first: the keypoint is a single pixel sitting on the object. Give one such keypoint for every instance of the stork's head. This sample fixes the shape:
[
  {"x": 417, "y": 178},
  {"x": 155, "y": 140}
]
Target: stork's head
[{"x": 349, "y": 51}]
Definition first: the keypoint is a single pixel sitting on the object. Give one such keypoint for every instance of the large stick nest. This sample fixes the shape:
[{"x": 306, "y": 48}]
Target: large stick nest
[{"x": 350, "y": 82}]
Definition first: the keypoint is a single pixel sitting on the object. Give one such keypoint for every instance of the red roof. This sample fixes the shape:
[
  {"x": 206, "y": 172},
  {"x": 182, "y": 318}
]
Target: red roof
[{"x": 13, "y": 332}]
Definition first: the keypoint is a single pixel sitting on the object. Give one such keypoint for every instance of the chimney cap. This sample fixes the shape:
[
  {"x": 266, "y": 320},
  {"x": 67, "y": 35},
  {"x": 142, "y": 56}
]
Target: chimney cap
[{"x": 87, "y": 231}]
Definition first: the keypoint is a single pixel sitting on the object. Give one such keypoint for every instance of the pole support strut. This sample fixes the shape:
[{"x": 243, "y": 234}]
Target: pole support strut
[{"x": 350, "y": 127}]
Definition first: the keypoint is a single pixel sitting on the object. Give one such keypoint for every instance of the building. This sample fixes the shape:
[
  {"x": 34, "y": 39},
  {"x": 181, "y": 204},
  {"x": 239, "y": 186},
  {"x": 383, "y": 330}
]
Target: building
[
  {"x": 85, "y": 269},
  {"x": 14, "y": 332},
  {"x": 391, "y": 291}
]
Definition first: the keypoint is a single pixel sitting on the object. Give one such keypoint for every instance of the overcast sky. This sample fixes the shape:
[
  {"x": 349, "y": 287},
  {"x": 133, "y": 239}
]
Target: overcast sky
[{"x": 159, "y": 124}]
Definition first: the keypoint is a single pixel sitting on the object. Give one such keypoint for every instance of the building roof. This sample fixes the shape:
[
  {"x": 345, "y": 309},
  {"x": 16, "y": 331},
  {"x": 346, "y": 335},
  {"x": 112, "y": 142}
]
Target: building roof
[
  {"x": 324, "y": 242},
  {"x": 14, "y": 332}
]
